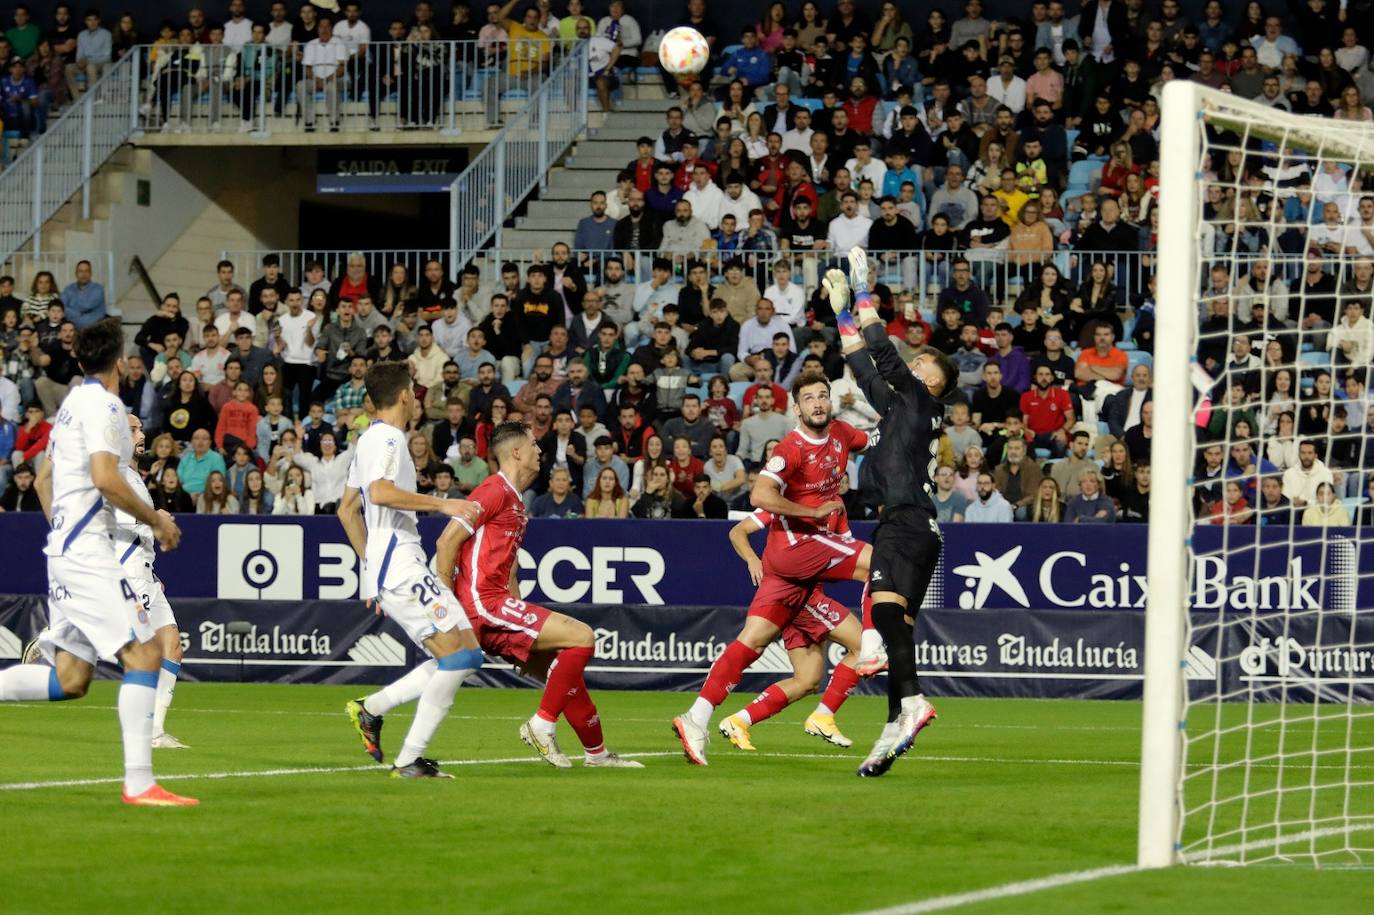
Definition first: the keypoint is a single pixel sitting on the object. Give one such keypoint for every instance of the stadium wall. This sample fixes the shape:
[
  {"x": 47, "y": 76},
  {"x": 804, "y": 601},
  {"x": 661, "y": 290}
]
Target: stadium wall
[{"x": 1016, "y": 610}]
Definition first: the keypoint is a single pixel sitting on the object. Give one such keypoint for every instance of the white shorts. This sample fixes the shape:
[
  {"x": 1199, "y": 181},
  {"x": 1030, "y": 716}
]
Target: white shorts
[
  {"x": 92, "y": 609},
  {"x": 416, "y": 600},
  {"x": 149, "y": 592}
]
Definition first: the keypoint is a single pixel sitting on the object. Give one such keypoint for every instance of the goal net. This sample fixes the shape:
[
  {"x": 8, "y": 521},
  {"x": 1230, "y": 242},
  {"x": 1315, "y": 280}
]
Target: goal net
[{"x": 1258, "y": 737}]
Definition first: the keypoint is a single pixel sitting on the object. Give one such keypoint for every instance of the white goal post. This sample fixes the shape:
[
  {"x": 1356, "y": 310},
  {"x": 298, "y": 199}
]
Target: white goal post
[{"x": 1277, "y": 766}]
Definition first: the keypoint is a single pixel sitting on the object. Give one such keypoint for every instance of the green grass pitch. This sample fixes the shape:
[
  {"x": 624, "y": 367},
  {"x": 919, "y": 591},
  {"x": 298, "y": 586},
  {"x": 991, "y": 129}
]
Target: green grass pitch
[{"x": 996, "y": 791}]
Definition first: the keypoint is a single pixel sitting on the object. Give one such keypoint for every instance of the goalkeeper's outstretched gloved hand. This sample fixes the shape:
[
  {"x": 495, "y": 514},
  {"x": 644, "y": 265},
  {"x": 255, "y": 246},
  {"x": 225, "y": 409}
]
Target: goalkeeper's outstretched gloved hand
[
  {"x": 858, "y": 269},
  {"x": 837, "y": 291}
]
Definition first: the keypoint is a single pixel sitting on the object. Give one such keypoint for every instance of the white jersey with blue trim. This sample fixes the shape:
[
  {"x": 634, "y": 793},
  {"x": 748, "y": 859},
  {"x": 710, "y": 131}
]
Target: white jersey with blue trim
[
  {"x": 133, "y": 539},
  {"x": 91, "y": 421},
  {"x": 381, "y": 454}
]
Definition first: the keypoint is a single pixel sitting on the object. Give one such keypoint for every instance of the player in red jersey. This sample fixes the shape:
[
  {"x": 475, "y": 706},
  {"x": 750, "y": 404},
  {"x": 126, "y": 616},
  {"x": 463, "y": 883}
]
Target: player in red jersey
[
  {"x": 541, "y": 642},
  {"x": 808, "y": 542},
  {"x": 821, "y": 619}
]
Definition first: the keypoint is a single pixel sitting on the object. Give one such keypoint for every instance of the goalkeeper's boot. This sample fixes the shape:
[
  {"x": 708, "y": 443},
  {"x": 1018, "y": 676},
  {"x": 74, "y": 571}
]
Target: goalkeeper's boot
[
  {"x": 872, "y": 654},
  {"x": 916, "y": 713},
  {"x": 158, "y": 796},
  {"x": 420, "y": 768},
  {"x": 368, "y": 726},
  {"x": 694, "y": 739},
  {"x": 546, "y": 745},
  {"x": 858, "y": 268},
  {"x": 824, "y": 727},
  {"x": 736, "y": 731},
  {"x": 880, "y": 758}
]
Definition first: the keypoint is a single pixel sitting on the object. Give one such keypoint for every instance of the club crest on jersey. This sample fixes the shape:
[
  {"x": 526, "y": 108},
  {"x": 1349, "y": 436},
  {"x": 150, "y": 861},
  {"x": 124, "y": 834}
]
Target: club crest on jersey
[
  {"x": 142, "y": 615},
  {"x": 440, "y": 611},
  {"x": 775, "y": 464}
]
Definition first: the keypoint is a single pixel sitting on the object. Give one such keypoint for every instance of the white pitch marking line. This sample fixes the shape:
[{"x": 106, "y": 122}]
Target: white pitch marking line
[
  {"x": 277, "y": 773},
  {"x": 1005, "y": 891}
]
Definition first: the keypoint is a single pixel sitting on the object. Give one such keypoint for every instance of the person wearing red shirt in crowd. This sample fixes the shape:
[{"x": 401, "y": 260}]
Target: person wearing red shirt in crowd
[
  {"x": 772, "y": 172},
  {"x": 684, "y": 467},
  {"x": 763, "y": 378},
  {"x": 1049, "y": 412},
  {"x": 477, "y": 561},
  {"x": 808, "y": 542},
  {"x": 682, "y": 179},
  {"x": 631, "y": 433},
  {"x": 355, "y": 283},
  {"x": 795, "y": 187},
  {"x": 644, "y": 165},
  {"x": 32, "y": 439},
  {"x": 238, "y": 421}
]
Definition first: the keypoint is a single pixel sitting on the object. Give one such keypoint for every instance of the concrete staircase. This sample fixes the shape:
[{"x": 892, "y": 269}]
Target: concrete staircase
[
  {"x": 113, "y": 184},
  {"x": 591, "y": 165}
]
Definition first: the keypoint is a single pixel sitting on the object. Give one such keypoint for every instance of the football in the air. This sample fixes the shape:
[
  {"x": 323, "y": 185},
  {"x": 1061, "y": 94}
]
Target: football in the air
[{"x": 683, "y": 51}]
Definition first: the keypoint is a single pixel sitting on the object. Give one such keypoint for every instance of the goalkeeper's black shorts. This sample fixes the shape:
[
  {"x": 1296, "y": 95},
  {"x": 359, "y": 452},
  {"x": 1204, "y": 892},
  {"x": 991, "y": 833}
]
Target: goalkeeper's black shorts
[{"x": 906, "y": 549}]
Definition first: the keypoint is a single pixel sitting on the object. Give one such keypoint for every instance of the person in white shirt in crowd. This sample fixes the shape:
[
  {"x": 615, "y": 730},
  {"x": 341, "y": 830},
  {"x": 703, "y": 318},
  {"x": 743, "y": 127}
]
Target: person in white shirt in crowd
[
  {"x": 705, "y": 196},
  {"x": 328, "y": 472},
  {"x": 450, "y": 331},
  {"x": 238, "y": 28},
  {"x": 991, "y": 507},
  {"x": 427, "y": 361},
  {"x": 236, "y": 315},
  {"x": 863, "y": 165},
  {"x": 849, "y": 229},
  {"x": 1359, "y": 236},
  {"x": 756, "y": 334},
  {"x": 619, "y": 26},
  {"x": 764, "y": 425},
  {"x": 850, "y": 404},
  {"x": 798, "y": 139},
  {"x": 1351, "y": 341},
  {"x": 1300, "y": 481},
  {"x": 788, "y": 298},
  {"x": 294, "y": 343},
  {"x": 739, "y": 200},
  {"x": 208, "y": 364},
  {"x": 278, "y": 26},
  {"x": 322, "y": 64}
]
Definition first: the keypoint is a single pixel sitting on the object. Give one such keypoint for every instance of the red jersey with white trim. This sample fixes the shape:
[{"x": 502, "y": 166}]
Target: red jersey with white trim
[
  {"x": 810, "y": 470},
  {"x": 485, "y": 559}
]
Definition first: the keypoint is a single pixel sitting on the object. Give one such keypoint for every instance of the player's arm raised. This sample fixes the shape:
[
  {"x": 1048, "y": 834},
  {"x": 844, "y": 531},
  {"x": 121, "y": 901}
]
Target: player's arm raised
[
  {"x": 107, "y": 478},
  {"x": 767, "y": 495},
  {"x": 350, "y": 514},
  {"x": 446, "y": 549},
  {"x": 739, "y": 539},
  {"x": 388, "y": 495}
]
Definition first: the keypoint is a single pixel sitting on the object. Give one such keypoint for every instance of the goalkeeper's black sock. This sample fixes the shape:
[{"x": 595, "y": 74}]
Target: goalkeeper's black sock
[{"x": 889, "y": 620}]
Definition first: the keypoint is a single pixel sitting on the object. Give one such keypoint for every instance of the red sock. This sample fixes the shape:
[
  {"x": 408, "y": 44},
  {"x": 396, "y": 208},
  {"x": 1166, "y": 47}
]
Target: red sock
[
  {"x": 727, "y": 670},
  {"x": 842, "y": 682},
  {"x": 565, "y": 678},
  {"x": 769, "y": 703},
  {"x": 586, "y": 723},
  {"x": 867, "y": 608}
]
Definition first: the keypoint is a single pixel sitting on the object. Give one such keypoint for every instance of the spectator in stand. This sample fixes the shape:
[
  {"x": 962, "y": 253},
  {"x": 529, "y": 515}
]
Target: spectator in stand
[
  {"x": 561, "y": 501},
  {"x": 993, "y": 403},
  {"x": 1100, "y": 371},
  {"x": 1066, "y": 472},
  {"x": 660, "y": 498},
  {"x": 296, "y": 497},
  {"x": 468, "y": 469},
  {"x": 20, "y": 495},
  {"x": 169, "y": 496},
  {"x": 606, "y": 497},
  {"x": 328, "y": 471},
  {"x": 1049, "y": 412},
  {"x": 59, "y": 368},
  {"x": 31, "y": 438},
  {"x": 84, "y": 299},
  {"x": 217, "y": 498},
  {"x": 1091, "y": 505},
  {"x": 763, "y": 425},
  {"x": 504, "y": 338},
  {"x": 322, "y": 70},
  {"x": 990, "y": 506},
  {"x": 1018, "y": 478},
  {"x": 254, "y": 359},
  {"x": 704, "y": 503},
  {"x": 238, "y": 421},
  {"x": 950, "y": 504},
  {"x": 1011, "y": 359},
  {"x": 195, "y": 467},
  {"x": 1325, "y": 509},
  {"x": 604, "y": 459},
  {"x": 1122, "y": 410},
  {"x": 94, "y": 51},
  {"x": 756, "y": 335},
  {"x": 724, "y": 470}
]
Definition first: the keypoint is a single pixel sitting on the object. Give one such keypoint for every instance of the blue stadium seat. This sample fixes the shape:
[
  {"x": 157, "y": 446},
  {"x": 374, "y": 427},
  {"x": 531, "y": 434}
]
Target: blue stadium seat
[
  {"x": 1315, "y": 358},
  {"x": 515, "y": 386},
  {"x": 1085, "y": 174},
  {"x": 737, "y": 389},
  {"x": 1139, "y": 357},
  {"x": 1070, "y": 134}
]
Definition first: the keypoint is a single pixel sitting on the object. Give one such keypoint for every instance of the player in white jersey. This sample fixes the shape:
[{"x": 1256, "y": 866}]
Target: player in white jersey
[
  {"x": 92, "y": 610},
  {"x": 378, "y": 514},
  {"x": 134, "y": 545}
]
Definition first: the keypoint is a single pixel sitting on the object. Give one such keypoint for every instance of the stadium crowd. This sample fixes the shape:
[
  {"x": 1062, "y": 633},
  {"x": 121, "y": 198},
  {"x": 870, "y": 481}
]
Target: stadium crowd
[{"x": 1002, "y": 175}]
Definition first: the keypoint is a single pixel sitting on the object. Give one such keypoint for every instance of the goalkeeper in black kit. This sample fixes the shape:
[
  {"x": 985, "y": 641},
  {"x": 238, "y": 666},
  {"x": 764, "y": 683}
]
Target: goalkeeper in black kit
[{"x": 906, "y": 545}]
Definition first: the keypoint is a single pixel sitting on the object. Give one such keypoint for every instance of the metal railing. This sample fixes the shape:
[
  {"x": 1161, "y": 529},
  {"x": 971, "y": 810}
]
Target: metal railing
[
  {"x": 24, "y": 266},
  {"x": 296, "y": 264},
  {"x": 61, "y": 162},
  {"x": 382, "y": 85},
  {"x": 518, "y": 159}
]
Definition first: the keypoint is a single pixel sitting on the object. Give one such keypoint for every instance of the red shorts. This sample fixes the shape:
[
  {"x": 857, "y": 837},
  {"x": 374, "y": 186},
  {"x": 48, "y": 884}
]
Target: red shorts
[
  {"x": 790, "y": 575},
  {"x": 818, "y": 558},
  {"x": 815, "y": 622},
  {"x": 505, "y": 626}
]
